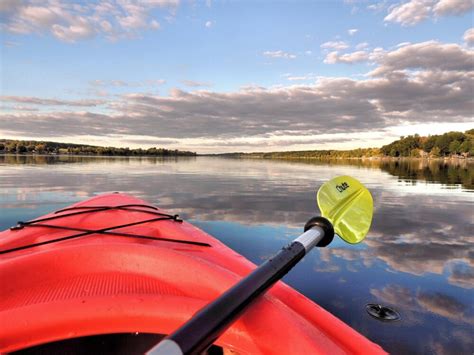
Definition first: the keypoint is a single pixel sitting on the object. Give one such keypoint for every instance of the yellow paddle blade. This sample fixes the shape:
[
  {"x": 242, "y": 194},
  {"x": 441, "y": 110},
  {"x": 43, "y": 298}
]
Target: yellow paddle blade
[{"x": 348, "y": 205}]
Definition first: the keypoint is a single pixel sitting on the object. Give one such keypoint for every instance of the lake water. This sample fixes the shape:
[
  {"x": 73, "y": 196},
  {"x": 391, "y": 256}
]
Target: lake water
[{"x": 418, "y": 257}]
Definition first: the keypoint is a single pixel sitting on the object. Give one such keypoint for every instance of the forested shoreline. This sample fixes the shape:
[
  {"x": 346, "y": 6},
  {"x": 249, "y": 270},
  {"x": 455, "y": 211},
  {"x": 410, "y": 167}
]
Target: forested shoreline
[
  {"x": 10, "y": 146},
  {"x": 451, "y": 144},
  {"x": 447, "y": 145},
  {"x": 443, "y": 145}
]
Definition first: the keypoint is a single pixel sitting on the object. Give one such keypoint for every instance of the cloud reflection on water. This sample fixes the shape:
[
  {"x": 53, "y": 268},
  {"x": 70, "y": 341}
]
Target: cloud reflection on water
[{"x": 412, "y": 233}]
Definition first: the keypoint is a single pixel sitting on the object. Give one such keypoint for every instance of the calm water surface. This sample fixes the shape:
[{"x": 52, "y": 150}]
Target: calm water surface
[{"x": 418, "y": 257}]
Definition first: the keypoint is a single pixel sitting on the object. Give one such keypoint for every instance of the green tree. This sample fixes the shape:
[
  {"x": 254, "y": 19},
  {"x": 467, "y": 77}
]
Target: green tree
[
  {"x": 455, "y": 147},
  {"x": 40, "y": 148},
  {"x": 11, "y": 147},
  {"x": 456, "y": 136},
  {"x": 466, "y": 146},
  {"x": 429, "y": 143},
  {"x": 442, "y": 142},
  {"x": 435, "y": 152},
  {"x": 20, "y": 148}
]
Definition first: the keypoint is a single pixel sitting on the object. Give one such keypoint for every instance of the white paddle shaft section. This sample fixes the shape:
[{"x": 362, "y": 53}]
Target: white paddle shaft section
[
  {"x": 310, "y": 238},
  {"x": 166, "y": 347}
]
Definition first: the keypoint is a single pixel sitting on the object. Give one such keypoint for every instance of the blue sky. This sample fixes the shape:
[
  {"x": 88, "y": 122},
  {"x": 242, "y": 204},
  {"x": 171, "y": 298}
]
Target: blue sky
[{"x": 220, "y": 76}]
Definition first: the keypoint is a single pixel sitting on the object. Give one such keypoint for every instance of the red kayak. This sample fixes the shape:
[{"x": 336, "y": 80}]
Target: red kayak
[{"x": 116, "y": 265}]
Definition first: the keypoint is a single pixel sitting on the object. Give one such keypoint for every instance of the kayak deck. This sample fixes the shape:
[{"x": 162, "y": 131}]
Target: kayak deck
[{"x": 73, "y": 273}]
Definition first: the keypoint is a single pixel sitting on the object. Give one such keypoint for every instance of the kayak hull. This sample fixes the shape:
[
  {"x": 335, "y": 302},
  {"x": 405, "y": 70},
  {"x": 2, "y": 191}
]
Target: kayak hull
[{"x": 104, "y": 284}]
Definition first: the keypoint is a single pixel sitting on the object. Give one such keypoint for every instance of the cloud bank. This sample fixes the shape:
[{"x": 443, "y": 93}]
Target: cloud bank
[
  {"x": 413, "y": 12},
  {"x": 71, "y": 22},
  {"x": 414, "y": 83}
]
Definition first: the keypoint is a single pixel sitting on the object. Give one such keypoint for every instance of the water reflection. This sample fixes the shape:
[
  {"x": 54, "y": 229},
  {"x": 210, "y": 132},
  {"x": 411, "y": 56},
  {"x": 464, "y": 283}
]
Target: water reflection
[
  {"x": 418, "y": 257},
  {"x": 449, "y": 173},
  {"x": 453, "y": 319}
]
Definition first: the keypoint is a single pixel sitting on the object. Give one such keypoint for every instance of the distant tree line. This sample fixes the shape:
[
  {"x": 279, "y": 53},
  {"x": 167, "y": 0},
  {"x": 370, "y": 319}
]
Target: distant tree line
[
  {"x": 443, "y": 145},
  {"x": 312, "y": 154},
  {"x": 448, "y": 144},
  {"x": 41, "y": 147}
]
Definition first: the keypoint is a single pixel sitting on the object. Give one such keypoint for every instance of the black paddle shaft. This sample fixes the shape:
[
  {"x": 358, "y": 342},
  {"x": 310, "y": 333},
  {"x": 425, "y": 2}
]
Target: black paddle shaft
[{"x": 197, "y": 334}]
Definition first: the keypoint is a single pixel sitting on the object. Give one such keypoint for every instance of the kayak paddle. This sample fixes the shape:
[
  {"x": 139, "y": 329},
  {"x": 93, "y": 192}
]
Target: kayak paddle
[{"x": 346, "y": 207}]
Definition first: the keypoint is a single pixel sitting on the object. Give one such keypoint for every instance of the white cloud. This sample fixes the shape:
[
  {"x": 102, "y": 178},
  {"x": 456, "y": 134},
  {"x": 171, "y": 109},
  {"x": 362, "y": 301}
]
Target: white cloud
[
  {"x": 10, "y": 44},
  {"x": 155, "y": 25},
  {"x": 19, "y": 108},
  {"x": 348, "y": 58},
  {"x": 429, "y": 55},
  {"x": 415, "y": 11},
  {"x": 452, "y": 7},
  {"x": 469, "y": 36},
  {"x": 71, "y": 22},
  {"x": 309, "y": 76},
  {"x": 194, "y": 84},
  {"x": 80, "y": 29},
  {"x": 362, "y": 45},
  {"x": 161, "y": 3},
  {"x": 331, "y": 57},
  {"x": 403, "y": 44},
  {"x": 352, "y": 31},
  {"x": 51, "y": 102},
  {"x": 151, "y": 82},
  {"x": 297, "y": 78},
  {"x": 106, "y": 26},
  {"x": 410, "y": 13},
  {"x": 208, "y": 24},
  {"x": 122, "y": 83},
  {"x": 335, "y": 45},
  {"x": 9, "y": 5},
  {"x": 378, "y": 7},
  {"x": 279, "y": 54}
]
